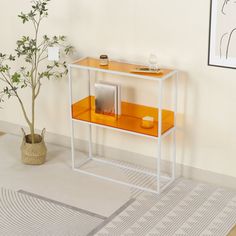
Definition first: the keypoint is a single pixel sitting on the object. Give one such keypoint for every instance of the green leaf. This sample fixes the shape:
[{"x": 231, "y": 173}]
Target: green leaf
[
  {"x": 15, "y": 78},
  {"x": 3, "y": 56},
  {"x": 46, "y": 38},
  {"x": 12, "y": 58},
  {"x": 62, "y": 38},
  {"x": 4, "y": 69},
  {"x": 23, "y": 17},
  {"x": 5, "y": 90},
  {"x": 68, "y": 49}
]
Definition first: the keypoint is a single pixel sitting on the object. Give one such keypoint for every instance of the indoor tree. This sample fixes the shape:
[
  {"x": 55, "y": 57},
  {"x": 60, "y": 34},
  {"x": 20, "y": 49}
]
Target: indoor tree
[{"x": 31, "y": 55}]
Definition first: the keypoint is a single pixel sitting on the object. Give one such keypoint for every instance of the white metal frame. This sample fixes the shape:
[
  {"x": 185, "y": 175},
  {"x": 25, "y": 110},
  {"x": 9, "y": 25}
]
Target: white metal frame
[{"x": 173, "y": 74}]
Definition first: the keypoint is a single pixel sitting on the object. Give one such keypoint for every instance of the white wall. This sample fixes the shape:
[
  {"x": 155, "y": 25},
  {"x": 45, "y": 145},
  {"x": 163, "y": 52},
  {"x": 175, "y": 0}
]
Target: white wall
[{"x": 177, "y": 31}]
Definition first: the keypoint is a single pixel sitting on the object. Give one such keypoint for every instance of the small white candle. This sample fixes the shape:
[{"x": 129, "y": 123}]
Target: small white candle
[{"x": 147, "y": 122}]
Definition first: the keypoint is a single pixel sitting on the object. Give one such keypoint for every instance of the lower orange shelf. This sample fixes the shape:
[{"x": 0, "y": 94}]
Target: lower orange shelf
[{"x": 130, "y": 120}]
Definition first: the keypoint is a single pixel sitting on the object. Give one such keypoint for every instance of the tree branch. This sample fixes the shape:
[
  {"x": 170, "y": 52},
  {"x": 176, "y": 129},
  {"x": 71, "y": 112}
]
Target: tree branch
[{"x": 19, "y": 99}]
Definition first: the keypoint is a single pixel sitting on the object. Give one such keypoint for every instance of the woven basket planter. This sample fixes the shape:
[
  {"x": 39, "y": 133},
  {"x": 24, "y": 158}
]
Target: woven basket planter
[{"x": 33, "y": 154}]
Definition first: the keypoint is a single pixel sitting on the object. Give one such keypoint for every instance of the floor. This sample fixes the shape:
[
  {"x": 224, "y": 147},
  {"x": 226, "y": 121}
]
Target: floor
[{"x": 56, "y": 180}]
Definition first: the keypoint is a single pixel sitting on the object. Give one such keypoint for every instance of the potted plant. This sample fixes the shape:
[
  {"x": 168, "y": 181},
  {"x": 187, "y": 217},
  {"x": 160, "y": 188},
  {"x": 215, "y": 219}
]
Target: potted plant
[{"x": 32, "y": 56}]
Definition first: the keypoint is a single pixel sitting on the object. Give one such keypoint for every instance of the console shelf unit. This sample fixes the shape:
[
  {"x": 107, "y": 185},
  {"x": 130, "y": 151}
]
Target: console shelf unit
[{"x": 129, "y": 121}]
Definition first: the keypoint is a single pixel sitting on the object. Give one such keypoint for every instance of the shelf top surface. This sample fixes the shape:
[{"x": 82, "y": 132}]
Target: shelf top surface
[
  {"x": 119, "y": 67},
  {"x": 130, "y": 120}
]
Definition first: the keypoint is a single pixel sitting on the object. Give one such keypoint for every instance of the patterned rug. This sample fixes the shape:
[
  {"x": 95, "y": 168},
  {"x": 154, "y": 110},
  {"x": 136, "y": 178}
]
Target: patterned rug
[
  {"x": 24, "y": 214},
  {"x": 186, "y": 208}
]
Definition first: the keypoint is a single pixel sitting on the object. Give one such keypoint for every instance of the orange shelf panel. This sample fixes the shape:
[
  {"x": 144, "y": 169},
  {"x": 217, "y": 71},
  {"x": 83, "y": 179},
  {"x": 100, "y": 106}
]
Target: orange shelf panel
[
  {"x": 118, "y": 67},
  {"x": 130, "y": 120}
]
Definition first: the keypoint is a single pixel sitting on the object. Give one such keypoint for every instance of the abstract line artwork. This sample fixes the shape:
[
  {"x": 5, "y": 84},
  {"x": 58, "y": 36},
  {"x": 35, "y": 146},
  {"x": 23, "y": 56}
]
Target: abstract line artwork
[{"x": 222, "y": 36}]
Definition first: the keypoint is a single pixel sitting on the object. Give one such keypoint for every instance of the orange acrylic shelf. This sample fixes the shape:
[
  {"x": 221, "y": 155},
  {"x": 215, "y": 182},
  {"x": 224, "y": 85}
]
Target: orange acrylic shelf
[
  {"x": 117, "y": 67},
  {"x": 130, "y": 120}
]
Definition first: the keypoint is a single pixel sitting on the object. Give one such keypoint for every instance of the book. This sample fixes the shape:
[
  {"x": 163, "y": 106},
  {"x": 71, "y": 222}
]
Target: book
[{"x": 107, "y": 99}]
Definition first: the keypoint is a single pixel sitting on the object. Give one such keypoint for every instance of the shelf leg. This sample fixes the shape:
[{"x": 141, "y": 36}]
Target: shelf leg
[
  {"x": 90, "y": 143},
  {"x": 159, "y": 146},
  {"x": 72, "y": 123},
  {"x": 173, "y": 174},
  {"x": 72, "y": 145},
  {"x": 174, "y": 133},
  {"x": 158, "y": 165},
  {"x": 90, "y": 126}
]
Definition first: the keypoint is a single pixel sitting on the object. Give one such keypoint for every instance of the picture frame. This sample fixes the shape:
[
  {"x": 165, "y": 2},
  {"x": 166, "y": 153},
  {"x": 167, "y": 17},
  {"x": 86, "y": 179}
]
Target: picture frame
[{"x": 222, "y": 34}]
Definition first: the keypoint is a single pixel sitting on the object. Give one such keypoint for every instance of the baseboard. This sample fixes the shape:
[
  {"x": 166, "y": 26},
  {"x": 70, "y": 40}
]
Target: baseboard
[{"x": 182, "y": 170}]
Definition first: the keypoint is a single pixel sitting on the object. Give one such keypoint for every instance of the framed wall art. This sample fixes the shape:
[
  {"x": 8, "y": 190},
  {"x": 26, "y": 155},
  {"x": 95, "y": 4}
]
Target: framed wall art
[{"x": 222, "y": 35}]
